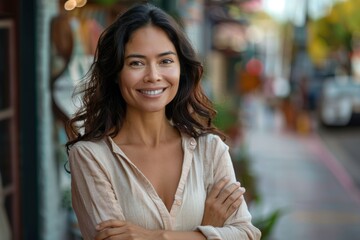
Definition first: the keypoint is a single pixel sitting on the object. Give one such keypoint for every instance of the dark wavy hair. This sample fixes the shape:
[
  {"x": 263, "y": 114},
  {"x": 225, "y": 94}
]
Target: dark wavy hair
[{"x": 104, "y": 108}]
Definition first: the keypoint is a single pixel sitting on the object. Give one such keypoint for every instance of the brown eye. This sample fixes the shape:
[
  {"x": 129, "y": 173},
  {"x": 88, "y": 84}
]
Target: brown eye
[
  {"x": 136, "y": 64},
  {"x": 167, "y": 61}
]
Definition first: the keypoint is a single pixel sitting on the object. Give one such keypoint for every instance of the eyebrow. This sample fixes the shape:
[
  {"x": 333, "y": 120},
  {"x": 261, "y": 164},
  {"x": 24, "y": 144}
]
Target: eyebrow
[{"x": 142, "y": 56}]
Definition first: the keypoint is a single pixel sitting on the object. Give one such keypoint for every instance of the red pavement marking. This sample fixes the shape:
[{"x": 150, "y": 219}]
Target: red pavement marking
[{"x": 329, "y": 160}]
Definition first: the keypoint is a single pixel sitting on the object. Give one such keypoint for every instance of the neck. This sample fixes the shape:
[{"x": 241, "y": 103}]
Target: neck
[{"x": 149, "y": 130}]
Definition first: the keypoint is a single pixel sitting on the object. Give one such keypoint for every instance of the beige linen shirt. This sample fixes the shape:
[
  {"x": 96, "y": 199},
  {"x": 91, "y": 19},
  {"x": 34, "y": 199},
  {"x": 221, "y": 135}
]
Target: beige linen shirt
[{"x": 107, "y": 185}]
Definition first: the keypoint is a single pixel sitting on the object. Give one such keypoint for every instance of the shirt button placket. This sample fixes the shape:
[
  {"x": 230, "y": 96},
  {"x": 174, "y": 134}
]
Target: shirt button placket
[{"x": 192, "y": 143}]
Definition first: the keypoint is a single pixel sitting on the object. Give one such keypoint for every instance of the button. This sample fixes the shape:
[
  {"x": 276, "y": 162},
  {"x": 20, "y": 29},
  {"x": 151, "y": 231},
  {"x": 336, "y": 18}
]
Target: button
[{"x": 193, "y": 142}]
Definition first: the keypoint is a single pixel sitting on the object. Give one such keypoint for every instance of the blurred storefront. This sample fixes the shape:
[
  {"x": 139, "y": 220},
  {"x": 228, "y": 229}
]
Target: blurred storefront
[
  {"x": 45, "y": 50},
  {"x": 18, "y": 141},
  {"x": 9, "y": 185},
  {"x": 238, "y": 48}
]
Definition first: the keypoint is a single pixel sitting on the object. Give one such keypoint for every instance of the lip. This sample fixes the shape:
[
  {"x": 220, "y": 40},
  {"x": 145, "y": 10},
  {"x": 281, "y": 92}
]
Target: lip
[{"x": 152, "y": 92}]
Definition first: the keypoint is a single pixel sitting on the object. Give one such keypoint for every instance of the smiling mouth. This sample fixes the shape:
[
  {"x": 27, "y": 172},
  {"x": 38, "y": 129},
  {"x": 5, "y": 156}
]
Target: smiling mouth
[{"x": 152, "y": 92}]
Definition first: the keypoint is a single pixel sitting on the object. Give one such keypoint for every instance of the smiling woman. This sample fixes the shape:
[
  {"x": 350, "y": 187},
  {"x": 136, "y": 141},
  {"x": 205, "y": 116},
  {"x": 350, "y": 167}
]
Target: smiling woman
[
  {"x": 146, "y": 161},
  {"x": 150, "y": 77}
]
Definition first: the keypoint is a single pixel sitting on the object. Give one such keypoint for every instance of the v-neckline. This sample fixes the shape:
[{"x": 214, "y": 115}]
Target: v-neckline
[{"x": 186, "y": 163}]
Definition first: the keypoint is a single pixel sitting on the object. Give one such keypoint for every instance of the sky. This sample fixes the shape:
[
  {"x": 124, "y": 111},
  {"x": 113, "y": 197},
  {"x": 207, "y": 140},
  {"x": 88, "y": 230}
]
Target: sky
[{"x": 294, "y": 10}]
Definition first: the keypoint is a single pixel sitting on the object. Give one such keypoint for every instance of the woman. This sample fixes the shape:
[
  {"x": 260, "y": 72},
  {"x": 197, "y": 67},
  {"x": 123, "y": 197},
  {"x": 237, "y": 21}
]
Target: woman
[{"x": 149, "y": 164}]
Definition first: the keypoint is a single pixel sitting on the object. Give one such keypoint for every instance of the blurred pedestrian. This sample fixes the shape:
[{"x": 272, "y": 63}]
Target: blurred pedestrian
[{"x": 146, "y": 161}]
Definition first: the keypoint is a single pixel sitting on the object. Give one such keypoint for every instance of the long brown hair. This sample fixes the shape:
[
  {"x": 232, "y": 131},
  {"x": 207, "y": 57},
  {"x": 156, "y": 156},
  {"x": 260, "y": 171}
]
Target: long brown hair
[{"x": 104, "y": 108}]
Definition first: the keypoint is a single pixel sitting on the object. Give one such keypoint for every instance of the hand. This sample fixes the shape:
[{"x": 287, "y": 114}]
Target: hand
[
  {"x": 122, "y": 230},
  {"x": 221, "y": 202}
]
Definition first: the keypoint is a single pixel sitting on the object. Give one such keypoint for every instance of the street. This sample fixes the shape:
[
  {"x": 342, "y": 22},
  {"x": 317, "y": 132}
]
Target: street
[
  {"x": 344, "y": 143},
  {"x": 312, "y": 178}
]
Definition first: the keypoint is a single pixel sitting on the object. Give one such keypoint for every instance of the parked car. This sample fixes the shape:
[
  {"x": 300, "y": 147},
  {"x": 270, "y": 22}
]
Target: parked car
[{"x": 340, "y": 101}]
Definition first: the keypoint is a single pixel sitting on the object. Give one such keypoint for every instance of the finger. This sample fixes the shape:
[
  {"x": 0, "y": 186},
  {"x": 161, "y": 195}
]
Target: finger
[
  {"x": 218, "y": 187},
  {"x": 227, "y": 191},
  {"x": 109, "y": 224},
  {"x": 109, "y": 232},
  {"x": 234, "y": 206},
  {"x": 234, "y": 197}
]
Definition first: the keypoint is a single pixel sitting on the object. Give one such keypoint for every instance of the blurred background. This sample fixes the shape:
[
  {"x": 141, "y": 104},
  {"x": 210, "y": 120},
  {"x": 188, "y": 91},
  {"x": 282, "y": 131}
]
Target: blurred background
[{"x": 283, "y": 75}]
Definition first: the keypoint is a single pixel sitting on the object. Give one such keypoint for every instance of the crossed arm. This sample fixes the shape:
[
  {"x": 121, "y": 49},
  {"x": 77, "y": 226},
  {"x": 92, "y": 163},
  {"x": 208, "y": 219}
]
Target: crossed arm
[
  {"x": 89, "y": 181},
  {"x": 223, "y": 200}
]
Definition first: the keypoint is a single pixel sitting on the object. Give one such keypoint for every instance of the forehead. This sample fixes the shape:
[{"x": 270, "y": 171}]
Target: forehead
[{"x": 149, "y": 39}]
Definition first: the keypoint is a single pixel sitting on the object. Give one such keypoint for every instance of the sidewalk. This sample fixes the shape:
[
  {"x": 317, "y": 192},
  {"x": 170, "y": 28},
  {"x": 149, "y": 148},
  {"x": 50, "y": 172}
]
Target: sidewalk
[{"x": 298, "y": 174}]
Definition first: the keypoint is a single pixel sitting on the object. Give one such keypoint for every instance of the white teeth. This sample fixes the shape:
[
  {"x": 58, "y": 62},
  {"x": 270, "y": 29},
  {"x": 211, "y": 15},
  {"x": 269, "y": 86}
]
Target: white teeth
[{"x": 152, "y": 92}]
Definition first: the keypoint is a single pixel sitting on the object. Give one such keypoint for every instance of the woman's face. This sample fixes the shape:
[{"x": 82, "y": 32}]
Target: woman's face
[{"x": 150, "y": 77}]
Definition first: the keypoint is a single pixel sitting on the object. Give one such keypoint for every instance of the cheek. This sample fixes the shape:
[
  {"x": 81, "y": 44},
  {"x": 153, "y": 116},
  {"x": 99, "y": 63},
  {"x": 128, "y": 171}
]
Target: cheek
[
  {"x": 174, "y": 76},
  {"x": 123, "y": 86},
  {"x": 127, "y": 79}
]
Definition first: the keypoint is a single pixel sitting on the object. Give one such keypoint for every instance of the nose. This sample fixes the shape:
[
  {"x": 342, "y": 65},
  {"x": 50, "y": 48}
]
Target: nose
[{"x": 152, "y": 74}]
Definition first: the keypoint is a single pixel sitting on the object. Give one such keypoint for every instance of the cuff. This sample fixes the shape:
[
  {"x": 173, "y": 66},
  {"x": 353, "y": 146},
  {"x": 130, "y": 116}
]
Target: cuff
[{"x": 209, "y": 232}]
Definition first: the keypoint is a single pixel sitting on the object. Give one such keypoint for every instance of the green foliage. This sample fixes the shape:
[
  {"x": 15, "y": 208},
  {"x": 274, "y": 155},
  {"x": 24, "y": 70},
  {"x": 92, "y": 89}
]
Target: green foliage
[
  {"x": 338, "y": 29},
  {"x": 226, "y": 117},
  {"x": 66, "y": 199},
  {"x": 242, "y": 167},
  {"x": 267, "y": 223},
  {"x": 106, "y": 2}
]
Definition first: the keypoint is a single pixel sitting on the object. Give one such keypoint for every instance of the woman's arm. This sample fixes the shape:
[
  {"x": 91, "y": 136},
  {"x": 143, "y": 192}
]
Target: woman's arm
[
  {"x": 93, "y": 197},
  {"x": 94, "y": 201},
  {"x": 222, "y": 201},
  {"x": 238, "y": 226},
  {"x": 123, "y": 230},
  {"x": 220, "y": 204}
]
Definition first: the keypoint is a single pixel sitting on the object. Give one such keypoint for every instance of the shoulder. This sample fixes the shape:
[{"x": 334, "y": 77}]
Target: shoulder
[
  {"x": 205, "y": 144},
  {"x": 88, "y": 147},
  {"x": 212, "y": 141},
  {"x": 89, "y": 154}
]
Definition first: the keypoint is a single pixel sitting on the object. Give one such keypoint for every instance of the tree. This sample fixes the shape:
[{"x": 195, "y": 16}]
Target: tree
[{"x": 333, "y": 35}]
